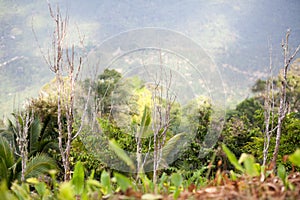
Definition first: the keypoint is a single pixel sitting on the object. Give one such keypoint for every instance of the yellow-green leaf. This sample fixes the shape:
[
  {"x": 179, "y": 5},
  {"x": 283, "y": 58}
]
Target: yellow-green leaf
[
  {"x": 121, "y": 153},
  {"x": 295, "y": 158}
]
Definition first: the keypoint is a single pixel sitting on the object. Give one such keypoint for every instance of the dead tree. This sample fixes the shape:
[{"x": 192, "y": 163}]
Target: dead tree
[
  {"x": 23, "y": 123},
  {"x": 62, "y": 63},
  {"x": 283, "y": 103},
  {"x": 269, "y": 103},
  {"x": 162, "y": 101}
]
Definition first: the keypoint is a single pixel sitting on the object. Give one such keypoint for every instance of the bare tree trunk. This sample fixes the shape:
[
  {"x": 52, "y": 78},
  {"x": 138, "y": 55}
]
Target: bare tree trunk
[
  {"x": 283, "y": 106},
  {"x": 161, "y": 112},
  {"x": 269, "y": 103},
  {"x": 139, "y": 154},
  {"x": 63, "y": 60},
  {"x": 23, "y": 124}
]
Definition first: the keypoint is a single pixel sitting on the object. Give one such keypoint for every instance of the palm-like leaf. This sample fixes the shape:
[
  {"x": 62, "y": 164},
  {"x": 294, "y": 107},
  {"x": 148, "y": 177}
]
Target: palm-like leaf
[
  {"x": 6, "y": 159},
  {"x": 174, "y": 146},
  {"x": 6, "y": 152},
  {"x": 114, "y": 146},
  {"x": 3, "y": 170},
  {"x": 39, "y": 139},
  {"x": 10, "y": 167},
  {"x": 8, "y": 133},
  {"x": 34, "y": 134},
  {"x": 43, "y": 147},
  {"x": 38, "y": 165},
  {"x": 145, "y": 122}
]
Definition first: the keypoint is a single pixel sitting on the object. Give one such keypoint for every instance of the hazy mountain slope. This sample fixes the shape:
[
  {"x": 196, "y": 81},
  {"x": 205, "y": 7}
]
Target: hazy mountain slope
[{"x": 234, "y": 33}]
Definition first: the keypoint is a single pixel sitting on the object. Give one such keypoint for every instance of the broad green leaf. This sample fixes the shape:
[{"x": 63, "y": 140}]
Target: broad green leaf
[
  {"x": 176, "y": 179},
  {"x": 34, "y": 134},
  {"x": 121, "y": 153},
  {"x": 41, "y": 189},
  {"x": 5, "y": 193},
  {"x": 162, "y": 181},
  {"x": 146, "y": 119},
  {"x": 281, "y": 172},
  {"x": 92, "y": 175},
  {"x": 250, "y": 165},
  {"x": 295, "y": 158},
  {"x": 123, "y": 182},
  {"x": 148, "y": 185},
  {"x": 105, "y": 182},
  {"x": 66, "y": 191},
  {"x": 78, "y": 178},
  {"x": 173, "y": 145},
  {"x": 233, "y": 175},
  {"x": 232, "y": 159}
]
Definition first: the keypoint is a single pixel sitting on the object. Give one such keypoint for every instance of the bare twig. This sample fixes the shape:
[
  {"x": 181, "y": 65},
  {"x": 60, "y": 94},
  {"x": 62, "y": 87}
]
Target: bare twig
[{"x": 283, "y": 106}]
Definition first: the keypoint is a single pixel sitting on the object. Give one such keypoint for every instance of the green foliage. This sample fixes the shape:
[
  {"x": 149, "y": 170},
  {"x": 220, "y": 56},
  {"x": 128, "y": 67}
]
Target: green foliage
[
  {"x": 282, "y": 174},
  {"x": 196, "y": 177},
  {"x": 112, "y": 131},
  {"x": 259, "y": 86},
  {"x": 38, "y": 165},
  {"x": 106, "y": 184},
  {"x": 78, "y": 178},
  {"x": 38, "y": 145},
  {"x": 121, "y": 154},
  {"x": 295, "y": 158},
  {"x": 104, "y": 87},
  {"x": 38, "y": 140},
  {"x": 247, "y": 108},
  {"x": 244, "y": 130},
  {"x": 81, "y": 188},
  {"x": 66, "y": 191},
  {"x": 6, "y": 160},
  {"x": 289, "y": 140},
  {"x": 250, "y": 167},
  {"x": 45, "y": 110},
  {"x": 42, "y": 190},
  {"x": 195, "y": 121},
  {"x": 237, "y": 133},
  {"x": 21, "y": 191},
  {"x": 293, "y": 89},
  {"x": 176, "y": 180},
  {"x": 5, "y": 193},
  {"x": 173, "y": 146},
  {"x": 143, "y": 130},
  {"x": 90, "y": 162},
  {"x": 148, "y": 185},
  {"x": 233, "y": 160},
  {"x": 123, "y": 182}
]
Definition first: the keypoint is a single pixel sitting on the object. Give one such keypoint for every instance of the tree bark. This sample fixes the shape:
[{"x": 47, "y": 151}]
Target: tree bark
[
  {"x": 283, "y": 106},
  {"x": 64, "y": 60}
]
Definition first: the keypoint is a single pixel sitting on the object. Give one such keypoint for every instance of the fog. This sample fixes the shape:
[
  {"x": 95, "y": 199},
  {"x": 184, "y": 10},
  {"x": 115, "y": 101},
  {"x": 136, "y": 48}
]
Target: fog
[{"x": 235, "y": 34}]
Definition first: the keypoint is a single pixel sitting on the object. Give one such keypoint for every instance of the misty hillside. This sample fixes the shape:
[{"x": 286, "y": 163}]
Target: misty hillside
[{"x": 235, "y": 35}]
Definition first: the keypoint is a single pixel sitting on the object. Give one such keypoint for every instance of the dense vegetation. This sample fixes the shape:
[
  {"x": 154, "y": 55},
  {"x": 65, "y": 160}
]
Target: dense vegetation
[
  {"x": 127, "y": 138},
  {"x": 93, "y": 178}
]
